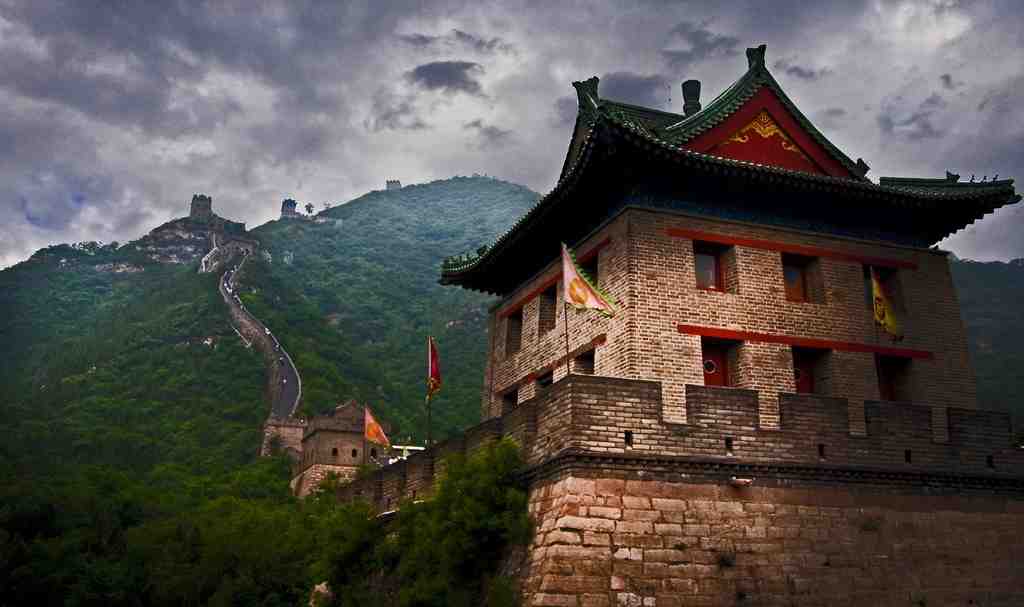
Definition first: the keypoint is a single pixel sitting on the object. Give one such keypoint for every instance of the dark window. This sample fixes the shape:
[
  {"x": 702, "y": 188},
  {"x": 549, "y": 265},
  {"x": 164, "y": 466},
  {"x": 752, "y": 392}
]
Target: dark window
[
  {"x": 795, "y": 269},
  {"x": 627, "y": 436},
  {"x": 514, "y": 332},
  {"x": 907, "y": 457},
  {"x": 808, "y": 364},
  {"x": 584, "y": 363},
  {"x": 509, "y": 400},
  {"x": 334, "y": 452},
  {"x": 708, "y": 265},
  {"x": 355, "y": 453},
  {"x": 590, "y": 268},
  {"x": 893, "y": 377},
  {"x": 715, "y": 361},
  {"x": 821, "y": 450},
  {"x": 545, "y": 380},
  {"x": 373, "y": 453},
  {"x": 728, "y": 445},
  {"x": 990, "y": 461},
  {"x": 547, "y": 307}
]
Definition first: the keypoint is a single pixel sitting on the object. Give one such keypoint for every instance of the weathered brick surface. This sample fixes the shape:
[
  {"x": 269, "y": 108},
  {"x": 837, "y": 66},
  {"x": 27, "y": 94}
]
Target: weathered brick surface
[
  {"x": 592, "y": 415},
  {"x": 772, "y": 546},
  {"x": 651, "y": 275},
  {"x": 636, "y": 472}
]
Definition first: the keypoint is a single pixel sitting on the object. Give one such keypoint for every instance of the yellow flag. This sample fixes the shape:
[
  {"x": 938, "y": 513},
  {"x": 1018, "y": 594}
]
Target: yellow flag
[
  {"x": 578, "y": 291},
  {"x": 885, "y": 315}
]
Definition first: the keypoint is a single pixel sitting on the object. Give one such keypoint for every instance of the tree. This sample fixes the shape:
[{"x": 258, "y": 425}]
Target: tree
[{"x": 309, "y": 208}]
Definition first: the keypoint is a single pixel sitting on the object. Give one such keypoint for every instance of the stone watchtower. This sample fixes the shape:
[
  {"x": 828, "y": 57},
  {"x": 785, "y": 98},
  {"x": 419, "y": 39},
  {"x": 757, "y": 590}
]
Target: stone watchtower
[
  {"x": 393, "y": 184},
  {"x": 201, "y": 208},
  {"x": 334, "y": 444},
  {"x": 288, "y": 209},
  {"x": 782, "y": 409}
]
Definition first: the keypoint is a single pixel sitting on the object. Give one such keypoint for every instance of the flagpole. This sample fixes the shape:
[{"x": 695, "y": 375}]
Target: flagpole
[
  {"x": 568, "y": 371},
  {"x": 428, "y": 391}
]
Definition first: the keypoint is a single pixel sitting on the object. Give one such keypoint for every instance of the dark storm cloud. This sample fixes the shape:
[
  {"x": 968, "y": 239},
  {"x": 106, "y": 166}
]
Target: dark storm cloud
[
  {"x": 54, "y": 196},
  {"x": 394, "y": 113},
  {"x": 801, "y": 72},
  {"x": 489, "y": 135},
  {"x": 700, "y": 43},
  {"x": 458, "y": 38},
  {"x": 915, "y": 125},
  {"x": 448, "y": 76},
  {"x": 640, "y": 89},
  {"x": 115, "y": 113}
]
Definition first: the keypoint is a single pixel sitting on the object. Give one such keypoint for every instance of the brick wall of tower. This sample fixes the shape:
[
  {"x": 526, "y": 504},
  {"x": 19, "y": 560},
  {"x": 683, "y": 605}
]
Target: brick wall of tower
[
  {"x": 539, "y": 351},
  {"x": 646, "y": 262},
  {"x": 757, "y": 303}
]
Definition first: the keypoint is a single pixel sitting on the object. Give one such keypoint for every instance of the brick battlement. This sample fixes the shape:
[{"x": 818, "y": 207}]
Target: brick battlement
[{"x": 582, "y": 419}]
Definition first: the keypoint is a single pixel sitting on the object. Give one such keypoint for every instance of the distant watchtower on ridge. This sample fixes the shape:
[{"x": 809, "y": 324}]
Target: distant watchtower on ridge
[
  {"x": 288, "y": 209},
  {"x": 393, "y": 184},
  {"x": 201, "y": 207}
]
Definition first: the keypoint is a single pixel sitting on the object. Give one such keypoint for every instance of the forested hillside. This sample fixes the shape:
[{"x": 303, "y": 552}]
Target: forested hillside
[
  {"x": 365, "y": 283},
  {"x": 992, "y": 303}
]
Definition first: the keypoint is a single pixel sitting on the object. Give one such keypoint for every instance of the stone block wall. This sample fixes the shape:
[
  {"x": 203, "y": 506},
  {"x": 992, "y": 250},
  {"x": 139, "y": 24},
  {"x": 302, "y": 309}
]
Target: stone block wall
[
  {"x": 288, "y": 433},
  {"x": 617, "y": 539},
  {"x": 632, "y": 508}
]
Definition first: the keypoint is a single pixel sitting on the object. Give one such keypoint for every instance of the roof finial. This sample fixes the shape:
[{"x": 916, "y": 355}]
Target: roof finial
[
  {"x": 996, "y": 178},
  {"x": 755, "y": 56},
  {"x": 691, "y": 97},
  {"x": 972, "y": 177},
  {"x": 586, "y": 91},
  {"x": 952, "y": 177}
]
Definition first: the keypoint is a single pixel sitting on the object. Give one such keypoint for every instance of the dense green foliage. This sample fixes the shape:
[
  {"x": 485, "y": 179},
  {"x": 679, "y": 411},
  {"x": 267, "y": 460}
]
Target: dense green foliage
[
  {"x": 354, "y": 298},
  {"x": 176, "y": 539},
  {"x": 440, "y": 552}
]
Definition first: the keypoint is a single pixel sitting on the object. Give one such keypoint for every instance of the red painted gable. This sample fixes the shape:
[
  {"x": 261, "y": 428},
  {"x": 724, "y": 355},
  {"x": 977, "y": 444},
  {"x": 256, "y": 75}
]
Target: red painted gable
[{"x": 763, "y": 131}]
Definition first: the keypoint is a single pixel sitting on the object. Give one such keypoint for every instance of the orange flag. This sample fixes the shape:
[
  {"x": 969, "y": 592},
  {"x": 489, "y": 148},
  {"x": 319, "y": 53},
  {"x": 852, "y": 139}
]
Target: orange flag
[
  {"x": 433, "y": 369},
  {"x": 579, "y": 291},
  {"x": 372, "y": 429}
]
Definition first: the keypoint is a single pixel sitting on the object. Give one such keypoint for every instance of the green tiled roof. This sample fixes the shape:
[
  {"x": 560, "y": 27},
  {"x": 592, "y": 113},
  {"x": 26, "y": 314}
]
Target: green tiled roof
[{"x": 662, "y": 134}]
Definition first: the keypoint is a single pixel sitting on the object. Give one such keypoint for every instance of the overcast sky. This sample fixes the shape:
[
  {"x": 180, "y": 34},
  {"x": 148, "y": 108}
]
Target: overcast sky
[{"x": 113, "y": 117}]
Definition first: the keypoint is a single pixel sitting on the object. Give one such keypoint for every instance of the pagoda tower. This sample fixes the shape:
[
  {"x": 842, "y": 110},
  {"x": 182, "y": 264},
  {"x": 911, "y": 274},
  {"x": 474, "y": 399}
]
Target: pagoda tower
[{"x": 782, "y": 410}]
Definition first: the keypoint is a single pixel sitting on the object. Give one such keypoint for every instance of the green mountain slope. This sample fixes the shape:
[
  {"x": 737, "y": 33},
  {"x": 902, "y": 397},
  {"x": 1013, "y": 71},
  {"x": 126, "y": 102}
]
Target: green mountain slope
[
  {"x": 353, "y": 297},
  {"x": 991, "y": 296}
]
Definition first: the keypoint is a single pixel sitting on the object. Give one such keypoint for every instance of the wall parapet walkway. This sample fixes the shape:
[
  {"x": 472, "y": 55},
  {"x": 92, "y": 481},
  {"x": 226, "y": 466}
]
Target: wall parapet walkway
[{"x": 594, "y": 421}]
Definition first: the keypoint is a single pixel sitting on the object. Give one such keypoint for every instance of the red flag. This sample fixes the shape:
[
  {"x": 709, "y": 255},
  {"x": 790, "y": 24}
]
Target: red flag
[
  {"x": 372, "y": 429},
  {"x": 433, "y": 369}
]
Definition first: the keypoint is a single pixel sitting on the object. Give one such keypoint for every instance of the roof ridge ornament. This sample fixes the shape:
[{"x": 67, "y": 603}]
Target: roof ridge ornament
[
  {"x": 755, "y": 56},
  {"x": 586, "y": 92},
  {"x": 952, "y": 177}
]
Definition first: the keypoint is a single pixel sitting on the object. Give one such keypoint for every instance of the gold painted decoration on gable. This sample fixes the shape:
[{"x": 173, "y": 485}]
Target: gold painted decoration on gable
[{"x": 764, "y": 126}]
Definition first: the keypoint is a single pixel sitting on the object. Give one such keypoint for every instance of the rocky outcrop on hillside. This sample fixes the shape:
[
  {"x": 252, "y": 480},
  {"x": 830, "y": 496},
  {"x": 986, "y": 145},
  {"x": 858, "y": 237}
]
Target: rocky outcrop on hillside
[{"x": 186, "y": 240}]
